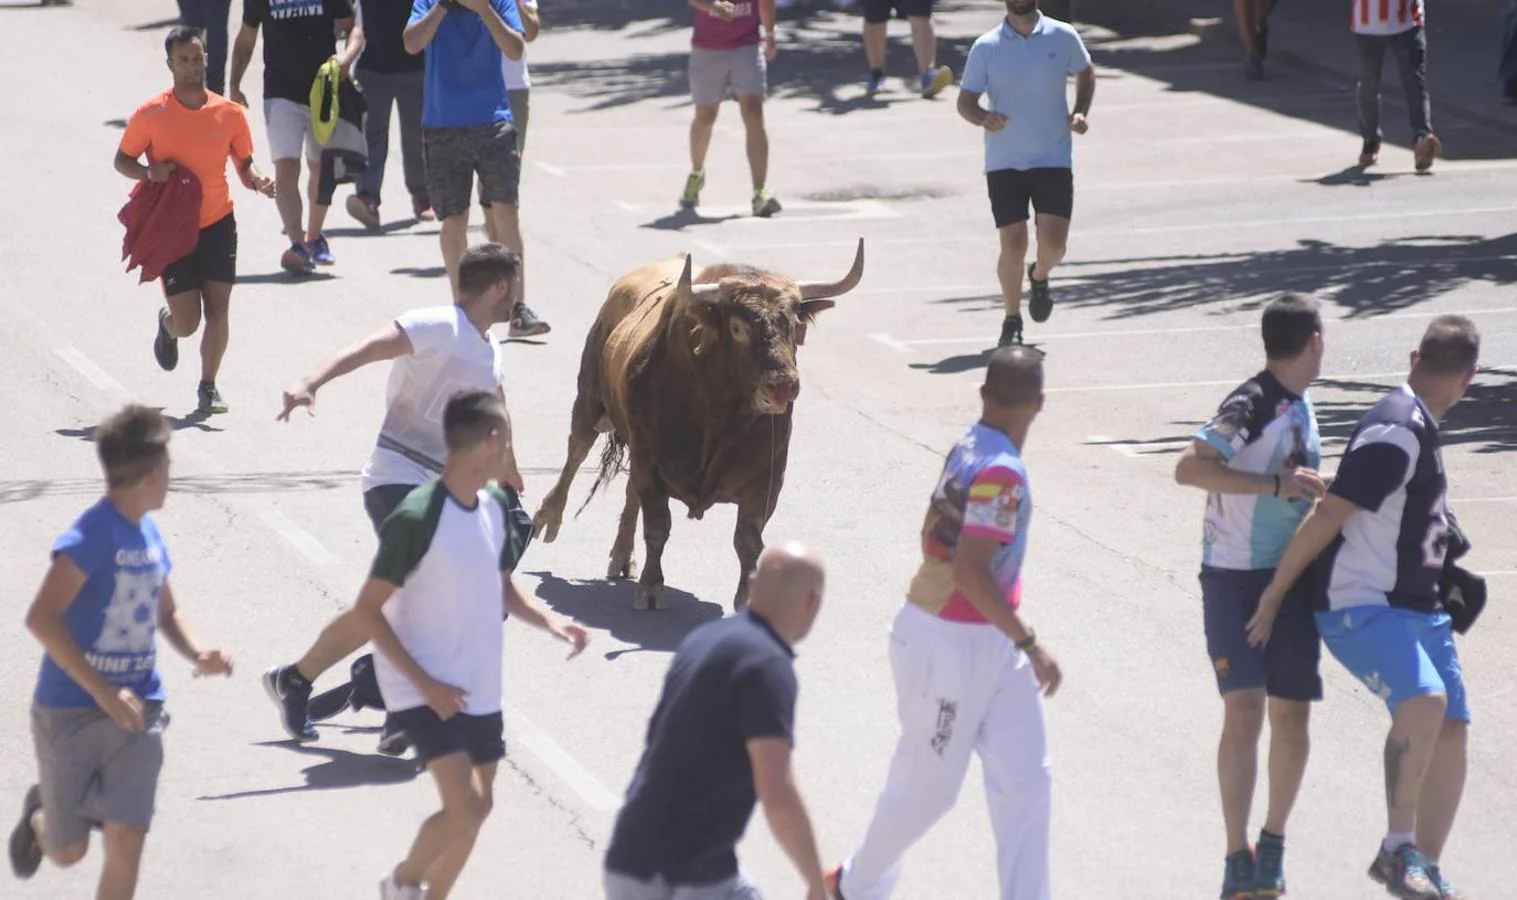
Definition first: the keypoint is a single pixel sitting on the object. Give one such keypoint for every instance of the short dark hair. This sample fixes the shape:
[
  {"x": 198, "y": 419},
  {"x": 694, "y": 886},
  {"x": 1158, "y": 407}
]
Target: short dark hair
[
  {"x": 1014, "y": 376},
  {"x": 181, "y": 34},
  {"x": 484, "y": 264},
  {"x": 1288, "y": 324},
  {"x": 1450, "y": 346},
  {"x": 469, "y": 418},
  {"x": 132, "y": 443}
]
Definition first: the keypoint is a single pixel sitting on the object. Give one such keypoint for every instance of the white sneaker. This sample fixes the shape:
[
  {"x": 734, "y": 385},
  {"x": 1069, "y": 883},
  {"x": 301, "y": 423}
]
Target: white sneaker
[{"x": 390, "y": 889}]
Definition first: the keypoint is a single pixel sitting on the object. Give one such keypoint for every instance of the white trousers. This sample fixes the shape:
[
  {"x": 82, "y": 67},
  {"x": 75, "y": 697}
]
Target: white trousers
[{"x": 960, "y": 689}]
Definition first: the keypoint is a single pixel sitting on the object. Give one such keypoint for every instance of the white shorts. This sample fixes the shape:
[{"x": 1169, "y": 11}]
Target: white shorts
[
  {"x": 288, "y": 123},
  {"x": 712, "y": 72}
]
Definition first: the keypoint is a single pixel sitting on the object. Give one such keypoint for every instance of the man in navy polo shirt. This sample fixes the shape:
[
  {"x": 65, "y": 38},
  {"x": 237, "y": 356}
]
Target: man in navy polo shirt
[
  {"x": 719, "y": 740},
  {"x": 1022, "y": 66},
  {"x": 466, "y": 122}
]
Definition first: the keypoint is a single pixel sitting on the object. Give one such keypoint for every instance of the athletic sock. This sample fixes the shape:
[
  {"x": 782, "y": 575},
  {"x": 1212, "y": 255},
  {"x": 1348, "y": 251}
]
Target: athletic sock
[
  {"x": 877, "y": 74},
  {"x": 1394, "y": 841}
]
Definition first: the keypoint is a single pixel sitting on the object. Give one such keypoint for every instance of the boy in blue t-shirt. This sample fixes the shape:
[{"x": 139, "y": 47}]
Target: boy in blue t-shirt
[{"x": 97, "y": 713}]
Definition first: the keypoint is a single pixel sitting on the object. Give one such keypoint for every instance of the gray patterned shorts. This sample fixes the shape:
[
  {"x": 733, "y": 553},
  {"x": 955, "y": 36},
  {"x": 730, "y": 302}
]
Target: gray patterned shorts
[{"x": 454, "y": 155}]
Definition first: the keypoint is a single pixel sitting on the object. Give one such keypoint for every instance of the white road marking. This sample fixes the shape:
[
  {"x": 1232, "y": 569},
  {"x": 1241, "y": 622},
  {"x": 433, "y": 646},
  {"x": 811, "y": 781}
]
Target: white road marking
[
  {"x": 589, "y": 788},
  {"x": 1463, "y": 500},
  {"x": 1122, "y": 447},
  {"x": 796, "y": 212},
  {"x": 1500, "y": 573},
  {"x": 628, "y": 207},
  {"x": 1351, "y": 376},
  {"x": 852, "y": 160},
  {"x": 1294, "y": 136},
  {"x": 712, "y": 248},
  {"x": 905, "y": 344},
  {"x": 298, "y": 537},
  {"x": 91, "y": 372},
  {"x": 555, "y": 171}
]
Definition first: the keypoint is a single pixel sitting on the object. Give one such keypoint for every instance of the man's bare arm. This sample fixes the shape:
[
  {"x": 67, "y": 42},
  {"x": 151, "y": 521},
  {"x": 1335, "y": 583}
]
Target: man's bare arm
[
  {"x": 508, "y": 39},
  {"x": 420, "y": 33},
  {"x": 1085, "y": 90},
  {"x": 44, "y": 619},
  {"x": 774, "y": 784},
  {"x": 972, "y": 575},
  {"x": 531, "y": 22},
  {"x": 242, "y": 55}
]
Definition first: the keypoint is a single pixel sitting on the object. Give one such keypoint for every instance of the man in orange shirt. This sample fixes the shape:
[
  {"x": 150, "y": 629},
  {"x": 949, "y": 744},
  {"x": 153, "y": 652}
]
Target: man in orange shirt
[{"x": 189, "y": 126}]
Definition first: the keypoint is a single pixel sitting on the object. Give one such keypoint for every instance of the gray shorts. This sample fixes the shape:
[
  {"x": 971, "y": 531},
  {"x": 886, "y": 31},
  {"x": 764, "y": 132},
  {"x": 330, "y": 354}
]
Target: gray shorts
[
  {"x": 625, "y": 887},
  {"x": 454, "y": 155},
  {"x": 91, "y": 771},
  {"x": 712, "y": 72},
  {"x": 521, "y": 108}
]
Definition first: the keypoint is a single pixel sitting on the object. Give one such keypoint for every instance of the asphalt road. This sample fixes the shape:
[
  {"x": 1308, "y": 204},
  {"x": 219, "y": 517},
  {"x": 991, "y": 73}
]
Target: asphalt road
[{"x": 1199, "y": 197}]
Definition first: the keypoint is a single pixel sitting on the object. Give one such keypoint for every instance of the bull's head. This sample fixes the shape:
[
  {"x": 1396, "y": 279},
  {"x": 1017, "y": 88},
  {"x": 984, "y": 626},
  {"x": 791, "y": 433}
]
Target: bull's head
[{"x": 755, "y": 320}]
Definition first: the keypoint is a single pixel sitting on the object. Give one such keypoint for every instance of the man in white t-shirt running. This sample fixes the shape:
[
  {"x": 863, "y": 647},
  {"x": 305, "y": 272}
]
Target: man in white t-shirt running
[
  {"x": 438, "y": 587},
  {"x": 438, "y": 351},
  {"x": 518, "y": 87}
]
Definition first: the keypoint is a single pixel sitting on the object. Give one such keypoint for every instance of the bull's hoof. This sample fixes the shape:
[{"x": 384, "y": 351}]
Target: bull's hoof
[
  {"x": 621, "y": 566},
  {"x": 740, "y": 600},
  {"x": 650, "y": 596}
]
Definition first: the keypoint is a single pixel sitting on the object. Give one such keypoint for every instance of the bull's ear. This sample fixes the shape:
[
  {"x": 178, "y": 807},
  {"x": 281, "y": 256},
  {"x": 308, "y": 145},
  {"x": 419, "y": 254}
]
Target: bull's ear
[
  {"x": 810, "y": 309},
  {"x": 800, "y": 335}
]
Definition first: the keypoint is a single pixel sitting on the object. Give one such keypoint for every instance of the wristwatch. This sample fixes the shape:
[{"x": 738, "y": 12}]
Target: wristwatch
[{"x": 1029, "y": 642}]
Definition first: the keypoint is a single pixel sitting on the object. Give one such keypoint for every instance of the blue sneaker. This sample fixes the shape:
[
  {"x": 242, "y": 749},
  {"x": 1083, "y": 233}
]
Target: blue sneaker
[
  {"x": 297, "y": 260},
  {"x": 1269, "y": 874},
  {"x": 1404, "y": 874},
  {"x": 935, "y": 80},
  {"x": 1238, "y": 877},
  {"x": 875, "y": 85},
  {"x": 319, "y": 250},
  {"x": 1445, "y": 888}
]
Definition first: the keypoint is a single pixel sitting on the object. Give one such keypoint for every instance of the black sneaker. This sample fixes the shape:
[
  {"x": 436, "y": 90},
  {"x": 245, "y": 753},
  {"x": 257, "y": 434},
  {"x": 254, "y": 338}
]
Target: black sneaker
[
  {"x": 1011, "y": 331},
  {"x": 526, "y": 323},
  {"x": 26, "y": 850},
  {"x": 392, "y": 740},
  {"x": 1261, "y": 42},
  {"x": 292, "y": 693},
  {"x": 210, "y": 399},
  {"x": 165, "y": 345},
  {"x": 1042, "y": 302}
]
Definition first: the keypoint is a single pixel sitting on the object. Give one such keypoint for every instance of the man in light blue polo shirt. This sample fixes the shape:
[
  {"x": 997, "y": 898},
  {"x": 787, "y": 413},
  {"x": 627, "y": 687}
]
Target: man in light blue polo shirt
[
  {"x": 466, "y": 121},
  {"x": 1023, "y": 65}
]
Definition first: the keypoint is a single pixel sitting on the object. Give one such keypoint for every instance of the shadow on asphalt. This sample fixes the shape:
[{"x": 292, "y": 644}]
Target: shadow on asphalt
[
  {"x": 607, "y": 605},
  {"x": 24, "y": 489},
  {"x": 196, "y": 420},
  {"x": 1359, "y": 282},
  {"x": 343, "y": 769}
]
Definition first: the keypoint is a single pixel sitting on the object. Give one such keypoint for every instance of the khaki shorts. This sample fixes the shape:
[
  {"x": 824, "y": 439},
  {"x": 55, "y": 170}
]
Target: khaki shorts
[
  {"x": 712, "y": 72},
  {"x": 90, "y": 771}
]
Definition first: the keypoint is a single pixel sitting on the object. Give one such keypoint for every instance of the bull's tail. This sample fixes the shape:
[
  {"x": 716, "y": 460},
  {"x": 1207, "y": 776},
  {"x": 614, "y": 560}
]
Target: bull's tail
[{"x": 613, "y": 457}]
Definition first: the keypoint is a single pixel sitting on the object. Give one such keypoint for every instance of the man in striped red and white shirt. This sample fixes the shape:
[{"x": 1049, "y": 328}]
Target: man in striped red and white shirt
[{"x": 1395, "y": 26}]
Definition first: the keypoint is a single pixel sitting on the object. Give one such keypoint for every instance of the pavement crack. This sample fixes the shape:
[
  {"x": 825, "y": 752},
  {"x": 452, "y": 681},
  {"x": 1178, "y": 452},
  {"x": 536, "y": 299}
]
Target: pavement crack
[{"x": 541, "y": 790}]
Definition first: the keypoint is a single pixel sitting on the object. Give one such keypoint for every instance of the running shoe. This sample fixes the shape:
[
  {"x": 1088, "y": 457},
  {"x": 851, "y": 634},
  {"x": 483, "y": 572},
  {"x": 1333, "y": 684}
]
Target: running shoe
[
  {"x": 26, "y": 849},
  {"x": 297, "y": 260},
  {"x": 1427, "y": 148},
  {"x": 526, "y": 323},
  {"x": 210, "y": 399},
  {"x": 291, "y": 693},
  {"x": 392, "y": 739},
  {"x": 365, "y": 209},
  {"x": 935, "y": 80},
  {"x": 421, "y": 209},
  {"x": 1369, "y": 154},
  {"x": 1041, "y": 306},
  {"x": 764, "y": 204},
  {"x": 320, "y": 250},
  {"x": 691, "y": 198},
  {"x": 390, "y": 889},
  {"x": 1238, "y": 876},
  {"x": 1445, "y": 888},
  {"x": 165, "y": 345},
  {"x": 1253, "y": 68},
  {"x": 1011, "y": 331},
  {"x": 1269, "y": 871},
  {"x": 875, "y": 85},
  {"x": 1404, "y": 873}
]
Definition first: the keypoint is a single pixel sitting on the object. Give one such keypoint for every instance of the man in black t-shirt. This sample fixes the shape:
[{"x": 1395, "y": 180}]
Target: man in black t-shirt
[
  {"x": 299, "y": 37},
  {"x": 390, "y": 75},
  {"x": 718, "y": 742}
]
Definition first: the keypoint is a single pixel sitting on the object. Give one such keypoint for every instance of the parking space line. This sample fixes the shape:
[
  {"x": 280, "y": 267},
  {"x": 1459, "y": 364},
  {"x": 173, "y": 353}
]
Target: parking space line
[
  {"x": 297, "y": 537},
  {"x": 1174, "y": 385},
  {"x": 555, "y": 171},
  {"x": 91, "y": 372},
  {"x": 589, "y": 788},
  {"x": 896, "y": 345},
  {"x": 713, "y": 248}
]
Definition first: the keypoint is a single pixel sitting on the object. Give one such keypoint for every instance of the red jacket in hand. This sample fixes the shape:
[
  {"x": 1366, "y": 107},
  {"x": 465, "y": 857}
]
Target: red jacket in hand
[{"x": 162, "y": 223}]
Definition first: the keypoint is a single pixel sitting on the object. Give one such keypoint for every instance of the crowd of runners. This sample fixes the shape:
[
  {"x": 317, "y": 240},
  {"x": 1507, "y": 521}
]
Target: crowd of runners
[{"x": 1362, "y": 562}]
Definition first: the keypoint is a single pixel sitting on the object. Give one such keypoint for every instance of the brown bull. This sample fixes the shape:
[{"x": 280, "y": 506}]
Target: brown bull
[{"x": 693, "y": 378}]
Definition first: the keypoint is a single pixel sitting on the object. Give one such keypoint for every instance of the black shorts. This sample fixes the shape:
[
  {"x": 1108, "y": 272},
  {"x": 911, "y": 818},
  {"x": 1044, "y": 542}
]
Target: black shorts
[
  {"x": 453, "y": 157},
  {"x": 1288, "y": 667},
  {"x": 213, "y": 259},
  {"x": 482, "y": 737},
  {"x": 1052, "y": 192},
  {"x": 879, "y": 10}
]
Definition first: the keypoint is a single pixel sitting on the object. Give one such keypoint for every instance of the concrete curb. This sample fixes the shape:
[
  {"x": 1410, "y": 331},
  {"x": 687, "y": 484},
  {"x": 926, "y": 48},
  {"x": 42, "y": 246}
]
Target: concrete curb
[{"x": 1220, "y": 30}]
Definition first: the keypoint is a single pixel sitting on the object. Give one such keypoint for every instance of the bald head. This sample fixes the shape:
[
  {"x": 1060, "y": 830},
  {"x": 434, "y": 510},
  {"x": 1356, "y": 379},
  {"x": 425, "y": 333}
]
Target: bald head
[
  {"x": 1014, "y": 376},
  {"x": 786, "y": 588}
]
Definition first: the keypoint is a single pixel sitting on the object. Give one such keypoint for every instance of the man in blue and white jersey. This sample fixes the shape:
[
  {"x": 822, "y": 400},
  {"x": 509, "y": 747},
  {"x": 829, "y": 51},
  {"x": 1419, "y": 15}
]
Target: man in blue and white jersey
[
  {"x": 1257, "y": 460},
  {"x": 1380, "y": 537}
]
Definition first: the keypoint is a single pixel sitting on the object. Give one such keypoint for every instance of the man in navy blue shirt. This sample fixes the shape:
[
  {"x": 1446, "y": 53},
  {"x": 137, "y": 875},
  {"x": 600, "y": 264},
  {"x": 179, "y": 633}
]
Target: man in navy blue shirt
[
  {"x": 466, "y": 121},
  {"x": 1382, "y": 534}
]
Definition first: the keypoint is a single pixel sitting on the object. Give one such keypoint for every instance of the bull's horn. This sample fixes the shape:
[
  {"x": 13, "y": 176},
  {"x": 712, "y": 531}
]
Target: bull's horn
[
  {"x": 706, "y": 292},
  {"x": 817, "y": 290}
]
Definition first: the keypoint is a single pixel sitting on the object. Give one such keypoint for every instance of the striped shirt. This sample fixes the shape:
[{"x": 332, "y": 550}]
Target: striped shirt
[{"x": 1386, "y": 17}]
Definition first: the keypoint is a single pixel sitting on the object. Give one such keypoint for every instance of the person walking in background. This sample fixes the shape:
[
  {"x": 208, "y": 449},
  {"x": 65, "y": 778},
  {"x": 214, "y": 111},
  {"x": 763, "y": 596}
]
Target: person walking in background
[
  {"x": 969, "y": 671},
  {"x": 1508, "y": 67},
  {"x": 1397, "y": 28},
  {"x": 210, "y": 16},
  {"x": 299, "y": 37},
  {"x": 720, "y": 739},
  {"x": 1252, "y": 17},
  {"x": 1022, "y": 67},
  {"x": 391, "y": 77},
  {"x": 1257, "y": 459},
  {"x": 931, "y": 77},
  {"x": 1379, "y": 540},
  {"x": 725, "y": 52}
]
